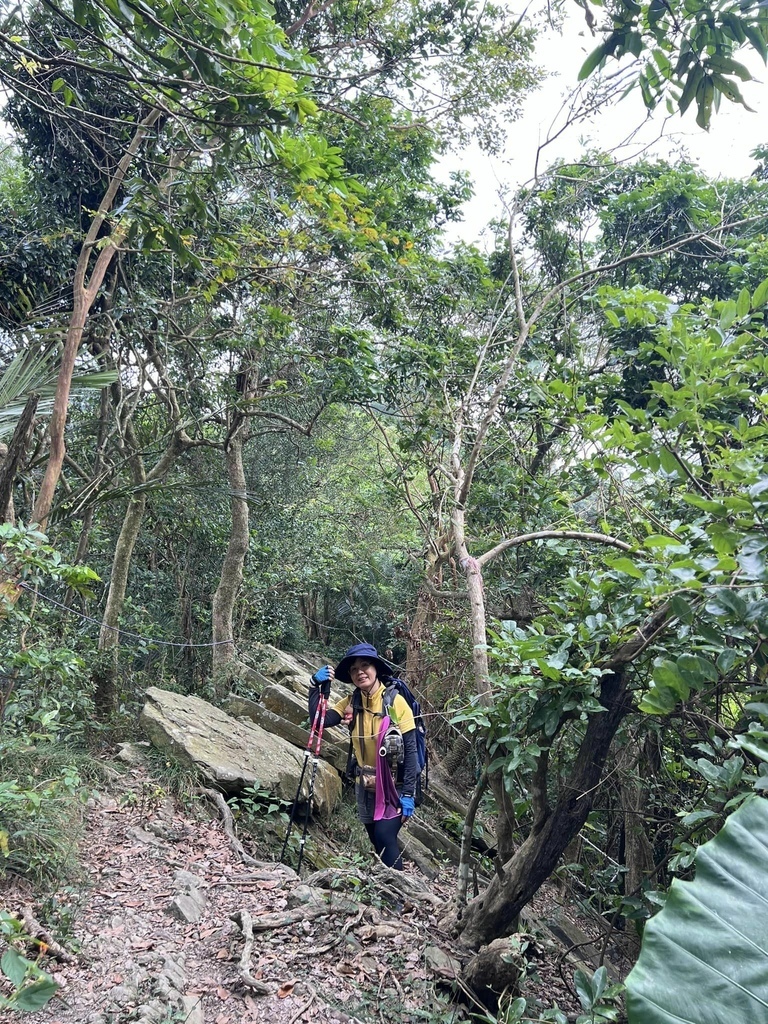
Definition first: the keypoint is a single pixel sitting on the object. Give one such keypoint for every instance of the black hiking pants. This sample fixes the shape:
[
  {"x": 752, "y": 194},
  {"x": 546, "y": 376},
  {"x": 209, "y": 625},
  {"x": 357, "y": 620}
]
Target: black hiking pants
[{"x": 383, "y": 835}]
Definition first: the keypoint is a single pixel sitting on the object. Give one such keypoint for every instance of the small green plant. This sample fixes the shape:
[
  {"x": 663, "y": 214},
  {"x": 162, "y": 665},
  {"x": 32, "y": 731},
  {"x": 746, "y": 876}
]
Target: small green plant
[
  {"x": 32, "y": 986},
  {"x": 599, "y": 999},
  {"x": 172, "y": 776},
  {"x": 257, "y": 802},
  {"x": 264, "y": 817},
  {"x": 59, "y": 912}
]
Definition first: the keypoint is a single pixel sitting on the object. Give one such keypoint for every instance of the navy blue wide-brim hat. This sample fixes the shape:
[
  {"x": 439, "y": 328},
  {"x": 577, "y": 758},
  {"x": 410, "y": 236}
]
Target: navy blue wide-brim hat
[{"x": 367, "y": 651}]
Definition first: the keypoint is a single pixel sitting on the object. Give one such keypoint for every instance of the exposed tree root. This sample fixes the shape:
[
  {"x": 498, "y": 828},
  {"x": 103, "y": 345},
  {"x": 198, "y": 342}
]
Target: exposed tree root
[
  {"x": 351, "y": 923},
  {"x": 284, "y": 918},
  {"x": 275, "y": 873},
  {"x": 243, "y": 920},
  {"x": 396, "y": 884},
  {"x": 36, "y": 931},
  {"x": 303, "y": 1009},
  {"x": 229, "y": 827},
  {"x": 399, "y": 883}
]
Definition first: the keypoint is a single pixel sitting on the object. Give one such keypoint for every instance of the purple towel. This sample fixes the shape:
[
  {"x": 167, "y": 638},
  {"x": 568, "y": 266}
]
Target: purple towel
[{"x": 387, "y": 800}]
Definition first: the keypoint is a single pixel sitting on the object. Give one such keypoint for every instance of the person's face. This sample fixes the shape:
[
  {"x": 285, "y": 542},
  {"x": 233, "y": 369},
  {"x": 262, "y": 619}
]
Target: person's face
[{"x": 363, "y": 674}]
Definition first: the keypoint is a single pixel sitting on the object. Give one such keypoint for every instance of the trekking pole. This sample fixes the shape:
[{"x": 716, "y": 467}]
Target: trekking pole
[
  {"x": 322, "y": 706},
  {"x": 315, "y": 733}
]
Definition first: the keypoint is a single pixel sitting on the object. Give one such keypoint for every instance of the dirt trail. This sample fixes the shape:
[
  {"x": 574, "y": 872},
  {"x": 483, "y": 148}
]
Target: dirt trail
[
  {"x": 152, "y": 932},
  {"x": 150, "y": 867}
]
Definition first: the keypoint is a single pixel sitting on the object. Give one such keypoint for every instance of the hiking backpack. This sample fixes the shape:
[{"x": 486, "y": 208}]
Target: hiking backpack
[{"x": 392, "y": 688}]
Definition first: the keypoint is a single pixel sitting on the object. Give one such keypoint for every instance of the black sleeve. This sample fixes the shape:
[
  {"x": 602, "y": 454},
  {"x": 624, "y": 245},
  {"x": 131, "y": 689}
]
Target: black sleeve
[
  {"x": 331, "y": 717},
  {"x": 409, "y": 763}
]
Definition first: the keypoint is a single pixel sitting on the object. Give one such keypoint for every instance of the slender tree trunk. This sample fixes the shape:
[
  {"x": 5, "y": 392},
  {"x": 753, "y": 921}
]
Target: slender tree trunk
[
  {"x": 84, "y": 296},
  {"x": 105, "y": 675},
  {"x": 422, "y": 618},
  {"x": 84, "y": 539},
  {"x": 121, "y": 564},
  {"x": 224, "y": 651},
  {"x": 105, "y": 671},
  {"x": 83, "y": 300},
  {"x": 10, "y": 457},
  {"x": 638, "y": 852},
  {"x": 476, "y": 594},
  {"x": 7, "y": 511},
  {"x": 12, "y": 454},
  {"x": 505, "y": 823},
  {"x": 309, "y": 612}
]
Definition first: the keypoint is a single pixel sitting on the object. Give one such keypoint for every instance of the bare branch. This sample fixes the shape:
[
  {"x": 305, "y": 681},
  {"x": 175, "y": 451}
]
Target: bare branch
[
  {"x": 526, "y": 538},
  {"x": 309, "y": 13}
]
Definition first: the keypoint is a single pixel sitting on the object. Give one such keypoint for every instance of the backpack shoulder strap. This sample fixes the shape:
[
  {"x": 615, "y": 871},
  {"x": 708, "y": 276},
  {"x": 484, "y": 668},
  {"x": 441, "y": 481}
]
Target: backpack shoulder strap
[{"x": 356, "y": 703}]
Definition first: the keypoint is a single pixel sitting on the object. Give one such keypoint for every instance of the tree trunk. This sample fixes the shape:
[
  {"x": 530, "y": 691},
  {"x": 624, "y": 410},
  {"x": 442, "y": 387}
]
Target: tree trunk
[
  {"x": 505, "y": 822},
  {"x": 638, "y": 852},
  {"x": 224, "y": 651},
  {"x": 105, "y": 674},
  {"x": 457, "y": 756},
  {"x": 84, "y": 539},
  {"x": 308, "y": 609},
  {"x": 11, "y": 456},
  {"x": 421, "y": 624},
  {"x": 494, "y": 913},
  {"x": 84, "y": 296},
  {"x": 476, "y": 594},
  {"x": 105, "y": 696}
]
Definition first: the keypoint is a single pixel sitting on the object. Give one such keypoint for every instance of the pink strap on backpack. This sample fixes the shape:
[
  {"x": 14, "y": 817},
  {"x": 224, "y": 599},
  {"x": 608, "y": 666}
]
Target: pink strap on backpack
[{"x": 387, "y": 803}]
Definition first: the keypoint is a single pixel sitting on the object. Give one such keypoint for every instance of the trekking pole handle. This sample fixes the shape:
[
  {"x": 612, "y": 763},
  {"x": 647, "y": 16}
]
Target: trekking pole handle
[
  {"x": 322, "y": 710},
  {"x": 322, "y": 679},
  {"x": 319, "y": 710}
]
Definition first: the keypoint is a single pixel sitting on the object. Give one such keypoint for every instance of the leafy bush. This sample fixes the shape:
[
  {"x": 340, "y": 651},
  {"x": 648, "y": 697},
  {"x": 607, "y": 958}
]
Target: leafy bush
[
  {"x": 42, "y": 791},
  {"x": 32, "y": 986}
]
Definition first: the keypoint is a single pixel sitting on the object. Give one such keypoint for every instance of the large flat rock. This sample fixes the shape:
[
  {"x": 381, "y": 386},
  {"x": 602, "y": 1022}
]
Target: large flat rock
[
  {"x": 293, "y": 708},
  {"x": 233, "y": 754},
  {"x": 292, "y": 671},
  {"x": 281, "y": 667},
  {"x": 334, "y": 747}
]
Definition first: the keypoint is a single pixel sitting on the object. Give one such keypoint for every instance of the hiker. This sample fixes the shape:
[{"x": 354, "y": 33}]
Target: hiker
[{"x": 379, "y": 737}]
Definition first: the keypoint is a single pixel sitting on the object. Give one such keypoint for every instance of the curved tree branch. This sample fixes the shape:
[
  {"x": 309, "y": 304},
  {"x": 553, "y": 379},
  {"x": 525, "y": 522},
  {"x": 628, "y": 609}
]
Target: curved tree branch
[{"x": 526, "y": 538}]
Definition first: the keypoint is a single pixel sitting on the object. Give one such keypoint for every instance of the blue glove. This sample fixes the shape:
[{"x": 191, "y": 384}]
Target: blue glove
[
  {"x": 322, "y": 680},
  {"x": 407, "y": 806}
]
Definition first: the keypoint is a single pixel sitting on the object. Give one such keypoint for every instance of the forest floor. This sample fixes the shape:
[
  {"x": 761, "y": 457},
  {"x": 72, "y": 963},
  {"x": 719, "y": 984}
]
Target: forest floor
[{"x": 149, "y": 931}]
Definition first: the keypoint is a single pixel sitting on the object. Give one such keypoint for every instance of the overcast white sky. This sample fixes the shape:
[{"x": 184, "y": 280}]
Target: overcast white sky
[{"x": 724, "y": 150}]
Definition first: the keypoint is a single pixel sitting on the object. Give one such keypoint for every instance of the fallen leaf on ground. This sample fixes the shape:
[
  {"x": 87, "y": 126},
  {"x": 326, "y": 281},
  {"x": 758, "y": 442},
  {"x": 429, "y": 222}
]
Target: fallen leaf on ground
[{"x": 286, "y": 988}]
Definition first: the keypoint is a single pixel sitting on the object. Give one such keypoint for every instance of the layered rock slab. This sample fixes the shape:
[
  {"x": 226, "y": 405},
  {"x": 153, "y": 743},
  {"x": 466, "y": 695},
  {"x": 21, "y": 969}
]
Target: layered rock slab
[{"x": 233, "y": 754}]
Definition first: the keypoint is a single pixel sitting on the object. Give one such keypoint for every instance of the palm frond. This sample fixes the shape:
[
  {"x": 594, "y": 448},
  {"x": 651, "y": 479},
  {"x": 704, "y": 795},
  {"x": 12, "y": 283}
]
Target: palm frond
[{"x": 35, "y": 371}]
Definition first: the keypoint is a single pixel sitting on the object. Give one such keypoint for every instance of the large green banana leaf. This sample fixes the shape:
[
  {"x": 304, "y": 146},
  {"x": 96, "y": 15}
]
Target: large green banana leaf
[{"x": 704, "y": 958}]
